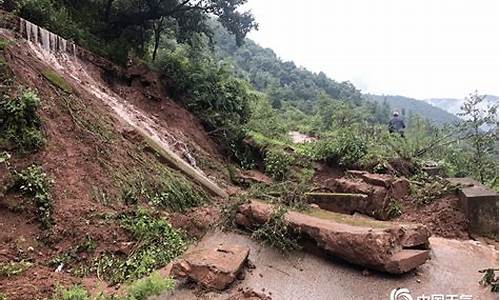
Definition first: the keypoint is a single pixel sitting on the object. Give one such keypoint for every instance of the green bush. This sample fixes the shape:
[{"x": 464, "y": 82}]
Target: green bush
[
  {"x": 34, "y": 183},
  {"x": 345, "y": 148},
  {"x": 157, "y": 243},
  {"x": 211, "y": 92},
  {"x": 19, "y": 123},
  {"x": 394, "y": 209},
  {"x": 278, "y": 163}
]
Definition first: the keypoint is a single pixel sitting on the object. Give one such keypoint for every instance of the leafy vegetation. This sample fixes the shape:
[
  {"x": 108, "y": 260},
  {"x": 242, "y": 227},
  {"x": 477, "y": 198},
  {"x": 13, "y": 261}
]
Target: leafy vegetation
[
  {"x": 73, "y": 293},
  {"x": 13, "y": 268},
  {"x": 20, "y": 126},
  {"x": 276, "y": 233},
  {"x": 167, "y": 190},
  {"x": 394, "y": 209},
  {"x": 432, "y": 189},
  {"x": 157, "y": 243},
  {"x": 152, "y": 285},
  {"x": 35, "y": 184},
  {"x": 142, "y": 289},
  {"x": 278, "y": 163},
  {"x": 117, "y": 28},
  {"x": 57, "y": 80},
  {"x": 208, "y": 90}
]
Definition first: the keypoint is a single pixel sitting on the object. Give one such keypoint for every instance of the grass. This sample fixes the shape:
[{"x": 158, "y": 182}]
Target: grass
[
  {"x": 12, "y": 268},
  {"x": 73, "y": 293},
  {"x": 142, "y": 289},
  {"x": 57, "y": 80},
  {"x": 3, "y": 43},
  {"x": 153, "y": 285}
]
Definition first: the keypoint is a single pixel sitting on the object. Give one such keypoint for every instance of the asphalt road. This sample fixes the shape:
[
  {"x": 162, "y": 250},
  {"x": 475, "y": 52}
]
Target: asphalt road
[{"x": 453, "y": 270}]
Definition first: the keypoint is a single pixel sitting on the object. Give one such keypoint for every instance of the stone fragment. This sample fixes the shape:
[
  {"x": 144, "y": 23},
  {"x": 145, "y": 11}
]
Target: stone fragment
[{"x": 214, "y": 268}]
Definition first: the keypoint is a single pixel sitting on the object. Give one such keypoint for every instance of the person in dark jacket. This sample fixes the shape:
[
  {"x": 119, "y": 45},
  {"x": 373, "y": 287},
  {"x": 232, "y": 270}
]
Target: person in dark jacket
[{"x": 396, "y": 125}]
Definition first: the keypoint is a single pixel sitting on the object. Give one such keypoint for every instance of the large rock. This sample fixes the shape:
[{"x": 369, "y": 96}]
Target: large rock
[
  {"x": 373, "y": 244},
  {"x": 213, "y": 268},
  {"x": 380, "y": 190},
  {"x": 480, "y": 205},
  {"x": 377, "y": 196}
]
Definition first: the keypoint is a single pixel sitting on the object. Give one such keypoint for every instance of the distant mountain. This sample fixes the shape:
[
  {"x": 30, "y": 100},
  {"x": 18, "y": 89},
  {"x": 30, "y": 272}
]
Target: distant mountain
[
  {"x": 409, "y": 105},
  {"x": 453, "y": 105}
]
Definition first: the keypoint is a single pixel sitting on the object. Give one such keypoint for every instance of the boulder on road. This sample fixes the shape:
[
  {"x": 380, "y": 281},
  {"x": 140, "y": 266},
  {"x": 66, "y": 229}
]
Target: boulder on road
[{"x": 214, "y": 268}]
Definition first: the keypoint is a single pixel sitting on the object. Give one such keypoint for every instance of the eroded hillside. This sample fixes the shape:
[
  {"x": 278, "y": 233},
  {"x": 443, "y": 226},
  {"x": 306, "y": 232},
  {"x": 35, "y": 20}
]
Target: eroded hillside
[{"x": 99, "y": 167}]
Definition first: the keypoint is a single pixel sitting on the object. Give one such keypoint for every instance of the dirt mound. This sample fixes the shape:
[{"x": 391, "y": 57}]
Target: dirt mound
[{"x": 443, "y": 217}]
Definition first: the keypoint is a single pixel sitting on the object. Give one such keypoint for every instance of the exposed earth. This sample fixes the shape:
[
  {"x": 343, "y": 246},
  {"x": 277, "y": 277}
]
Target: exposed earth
[{"x": 98, "y": 137}]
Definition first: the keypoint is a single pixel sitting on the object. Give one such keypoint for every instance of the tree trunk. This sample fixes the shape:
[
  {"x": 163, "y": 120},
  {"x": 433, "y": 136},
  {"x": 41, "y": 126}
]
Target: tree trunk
[{"x": 158, "y": 28}]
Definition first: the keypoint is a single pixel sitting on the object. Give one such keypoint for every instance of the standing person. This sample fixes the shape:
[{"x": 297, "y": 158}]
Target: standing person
[{"x": 396, "y": 125}]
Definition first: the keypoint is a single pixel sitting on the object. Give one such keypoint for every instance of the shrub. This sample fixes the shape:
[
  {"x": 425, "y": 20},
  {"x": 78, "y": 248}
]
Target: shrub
[
  {"x": 212, "y": 93},
  {"x": 275, "y": 232},
  {"x": 394, "y": 209},
  {"x": 345, "y": 148},
  {"x": 34, "y": 183},
  {"x": 19, "y": 123},
  {"x": 157, "y": 243},
  {"x": 278, "y": 163}
]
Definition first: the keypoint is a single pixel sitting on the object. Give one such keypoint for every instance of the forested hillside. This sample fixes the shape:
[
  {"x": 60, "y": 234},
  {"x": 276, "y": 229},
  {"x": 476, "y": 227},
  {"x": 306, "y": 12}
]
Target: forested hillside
[
  {"x": 282, "y": 81},
  {"x": 409, "y": 106},
  {"x": 452, "y": 105}
]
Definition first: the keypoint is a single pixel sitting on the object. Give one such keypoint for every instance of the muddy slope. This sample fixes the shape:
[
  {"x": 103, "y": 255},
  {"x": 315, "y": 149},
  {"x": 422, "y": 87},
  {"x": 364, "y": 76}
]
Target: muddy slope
[{"x": 90, "y": 154}]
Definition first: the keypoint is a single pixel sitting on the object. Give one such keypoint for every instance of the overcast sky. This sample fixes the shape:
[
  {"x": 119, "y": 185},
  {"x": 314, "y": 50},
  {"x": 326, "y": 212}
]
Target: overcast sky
[{"x": 415, "y": 48}]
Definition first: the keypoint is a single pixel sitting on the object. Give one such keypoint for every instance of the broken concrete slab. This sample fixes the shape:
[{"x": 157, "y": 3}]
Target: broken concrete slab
[
  {"x": 372, "y": 244},
  {"x": 213, "y": 268},
  {"x": 480, "y": 205}
]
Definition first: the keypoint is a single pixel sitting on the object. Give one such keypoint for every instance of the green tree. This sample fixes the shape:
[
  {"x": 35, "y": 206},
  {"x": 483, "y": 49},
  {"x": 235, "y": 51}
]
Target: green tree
[{"x": 480, "y": 128}]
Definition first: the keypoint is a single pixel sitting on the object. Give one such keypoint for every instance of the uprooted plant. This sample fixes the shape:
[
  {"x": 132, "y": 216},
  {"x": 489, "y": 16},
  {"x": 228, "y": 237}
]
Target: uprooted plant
[
  {"x": 34, "y": 183},
  {"x": 431, "y": 189},
  {"x": 276, "y": 233},
  {"x": 156, "y": 244}
]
